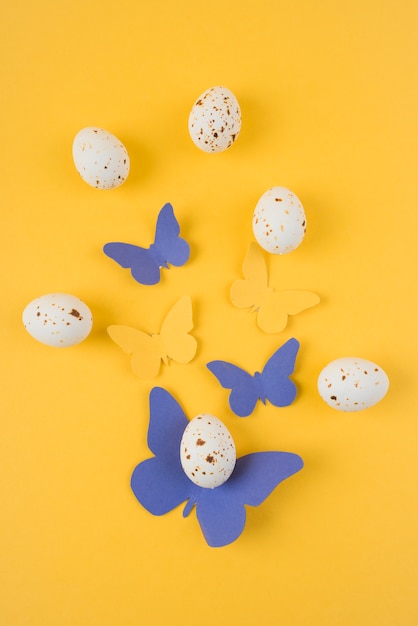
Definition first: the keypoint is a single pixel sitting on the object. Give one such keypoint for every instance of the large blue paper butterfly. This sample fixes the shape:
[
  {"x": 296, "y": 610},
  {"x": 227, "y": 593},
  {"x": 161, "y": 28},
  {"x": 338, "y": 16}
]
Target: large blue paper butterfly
[
  {"x": 272, "y": 384},
  {"x": 145, "y": 263},
  {"x": 160, "y": 484}
]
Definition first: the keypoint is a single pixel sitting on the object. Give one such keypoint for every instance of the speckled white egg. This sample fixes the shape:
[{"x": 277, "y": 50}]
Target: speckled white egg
[
  {"x": 215, "y": 120},
  {"x": 279, "y": 221},
  {"x": 207, "y": 451},
  {"x": 352, "y": 384},
  {"x": 58, "y": 320},
  {"x": 100, "y": 158}
]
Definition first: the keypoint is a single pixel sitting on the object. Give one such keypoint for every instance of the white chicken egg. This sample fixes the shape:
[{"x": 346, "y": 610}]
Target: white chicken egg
[
  {"x": 215, "y": 120},
  {"x": 279, "y": 221},
  {"x": 100, "y": 158},
  {"x": 58, "y": 320},
  {"x": 352, "y": 384},
  {"x": 207, "y": 451}
]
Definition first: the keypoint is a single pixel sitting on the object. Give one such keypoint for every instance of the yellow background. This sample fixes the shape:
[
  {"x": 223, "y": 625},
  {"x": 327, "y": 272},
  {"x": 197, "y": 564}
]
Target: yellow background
[{"x": 328, "y": 94}]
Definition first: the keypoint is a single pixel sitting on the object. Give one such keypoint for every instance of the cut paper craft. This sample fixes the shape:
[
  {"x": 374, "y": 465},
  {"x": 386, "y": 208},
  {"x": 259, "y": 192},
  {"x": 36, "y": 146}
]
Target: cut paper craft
[
  {"x": 160, "y": 484},
  {"x": 273, "y": 307},
  {"x": 172, "y": 342},
  {"x": 272, "y": 384},
  {"x": 145, "y": 263}
]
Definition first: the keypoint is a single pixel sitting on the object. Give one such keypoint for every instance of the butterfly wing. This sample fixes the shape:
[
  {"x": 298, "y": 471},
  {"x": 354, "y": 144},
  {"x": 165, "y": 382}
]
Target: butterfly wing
[
  {"x": 298, "y": 300},
  {"x": 276, "y": 385},
  {"x": 244, "y": 395},
  {"x": 160, "y": 486},
  {"x": 166, "y": 425},
  {"x": 252, "y": 291},
  {"x": 160, "y": 483},
  {"x": 143, "y": 267},
  {"x": 246, "y": 293},
  {"x": 143, "y": 348},
  {"x": 168, "y": 247},
  {"x": 221, "y": 515},
  {"x": 273, "y": 315},
  {"x": 254, "y": 265},
  {"x": 221, "y": 511},
  {"x": 177, "y": 344}
]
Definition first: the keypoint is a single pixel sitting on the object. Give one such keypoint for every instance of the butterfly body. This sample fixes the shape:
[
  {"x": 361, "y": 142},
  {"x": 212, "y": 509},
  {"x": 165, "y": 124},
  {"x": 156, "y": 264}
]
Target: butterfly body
[
  {"x": 145, "y": 263},
  {"x": 273, "y": 307},
  {"x": 159, "y": 347},
  {"x": 157, "y": 257},
  {"x": 160, "y": 484},
  {"x": 259, "y": 387},
  {"x": 272, "y": 384}
]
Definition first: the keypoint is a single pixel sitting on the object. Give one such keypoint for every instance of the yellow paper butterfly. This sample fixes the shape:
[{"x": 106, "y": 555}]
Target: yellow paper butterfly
[
  {"x": 172, "y": 342},
  {"x": 273, "y": 307}
]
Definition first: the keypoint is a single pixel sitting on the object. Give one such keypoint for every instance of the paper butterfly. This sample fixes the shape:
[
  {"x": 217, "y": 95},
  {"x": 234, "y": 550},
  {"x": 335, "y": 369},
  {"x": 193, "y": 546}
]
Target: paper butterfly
[
  {"x": 172, "y": 342},
  {"x": 273, "y": 307},
  {"x": 145, "y": 263},
  {"x": 160, "y": 484},
  {"x": 271, "y": 384}
]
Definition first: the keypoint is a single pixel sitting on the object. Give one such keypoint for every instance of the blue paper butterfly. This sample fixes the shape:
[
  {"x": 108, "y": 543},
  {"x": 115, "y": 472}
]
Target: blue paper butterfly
[
  {"x": 160, "y": 484},
  {"x": 145, "y": 263},
  {"x": 271, "y": 384}
]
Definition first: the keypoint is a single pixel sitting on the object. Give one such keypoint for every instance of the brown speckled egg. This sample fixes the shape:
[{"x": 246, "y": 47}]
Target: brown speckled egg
[
  {"x": 279, "y": 221},
  {"x": 352, "y": 384},
  {"x": 58, "y": 320},
  {"x": 207, "y": 451},
  {"x": 215, "y": 120},
  {"x": 100, "y": 158}
]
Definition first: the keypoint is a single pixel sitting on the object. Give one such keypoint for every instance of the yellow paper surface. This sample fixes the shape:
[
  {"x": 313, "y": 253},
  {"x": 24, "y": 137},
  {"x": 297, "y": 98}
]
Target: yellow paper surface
[{"x": 329, "y": 99}]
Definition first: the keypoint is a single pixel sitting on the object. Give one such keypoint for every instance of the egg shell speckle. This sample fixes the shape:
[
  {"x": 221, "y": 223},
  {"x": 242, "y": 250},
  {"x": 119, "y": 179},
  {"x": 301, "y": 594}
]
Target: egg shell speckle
[
  {"x": 58, "y": 320},
  {"x": 352, "y": 384},
  {"x": 215, "y": 120},
  {"x": 100, "y": 158},
  {"x": 279, "y": 221},
  {"x": 207, "y": 451}
]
